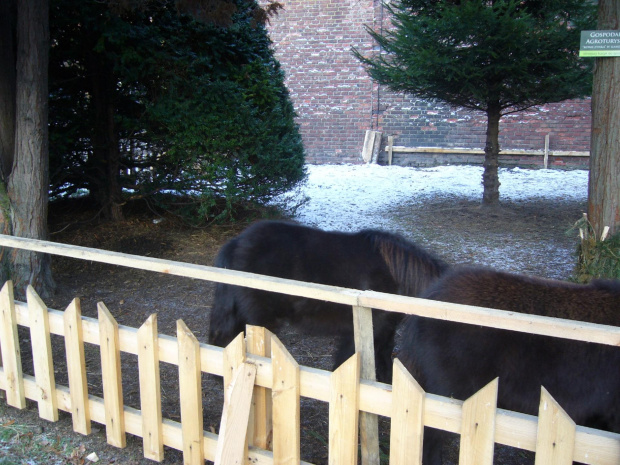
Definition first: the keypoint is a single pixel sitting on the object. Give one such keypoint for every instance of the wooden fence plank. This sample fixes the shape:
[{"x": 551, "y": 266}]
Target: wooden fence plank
[
  {"x": 188, "y": 270},
  {"x": 232, "y": 358},
  {"x": 343, "y": 413},
  {"x": 258, "y": 342},
  {"x": 190, "y": 392},
  {"x": 532, "y": 324},
  {"x": 478, "y": 430},
  {"x": 286, "y": 406},
  {"x": 365, "y": 346},
  {"x": 42, "y": 357},
  {"x": 11, "y": 356},
  {"x": 491, "y": 318},
  {"x": 407, "y": 418},
  {"x": 111, "y": 377},
  {"x": 231, "y": 444},
  {"x": 150, "y": 392},
  {"x": 556, "y": 433},
  {"x": 76, "y": 367}
]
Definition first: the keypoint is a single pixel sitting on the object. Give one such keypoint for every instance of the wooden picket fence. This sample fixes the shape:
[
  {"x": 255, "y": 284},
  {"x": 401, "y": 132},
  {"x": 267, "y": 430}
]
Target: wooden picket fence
[{"x": 265, "y": 384}]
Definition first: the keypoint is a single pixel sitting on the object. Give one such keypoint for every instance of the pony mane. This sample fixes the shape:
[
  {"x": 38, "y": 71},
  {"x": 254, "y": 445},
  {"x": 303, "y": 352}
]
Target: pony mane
[{"x": 412, "y": 267}]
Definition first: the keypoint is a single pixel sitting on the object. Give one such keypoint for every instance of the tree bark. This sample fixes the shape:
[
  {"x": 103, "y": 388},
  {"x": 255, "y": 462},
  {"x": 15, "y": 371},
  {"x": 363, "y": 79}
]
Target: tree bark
[
  {"x": 106, "y": 151},
  {"x": 490, "y": 177},
  {"x": 25, "y": 189},
  {"x": 604, "y": 179},
  {"x": 8, "y": 17}
]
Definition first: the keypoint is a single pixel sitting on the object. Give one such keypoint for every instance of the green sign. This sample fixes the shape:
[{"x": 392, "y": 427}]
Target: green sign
[{"x": 600, "y": 44}]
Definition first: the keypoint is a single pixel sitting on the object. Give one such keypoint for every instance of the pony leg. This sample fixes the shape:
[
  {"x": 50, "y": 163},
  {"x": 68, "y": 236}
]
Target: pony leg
[{"x": 434, "y": 439}]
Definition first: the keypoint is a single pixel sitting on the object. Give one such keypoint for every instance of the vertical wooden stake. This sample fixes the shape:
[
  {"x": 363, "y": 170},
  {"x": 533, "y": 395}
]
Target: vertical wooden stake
[
  {"x": 390, "y": 149},
  {"x": 42, "y": 357},
  {"x": 407, "y": 420},
  {"x": 76, "y": 367},
  {"x": 478, "y": 427},
  {"x": 546, "y": 157},
  {"x": 364, "y": 345},
  {"x": 112, "y": 380},
  {"x": 258, "y": 342},
  {"x": 190, "y": 390},
  {"x": 286, "y": 401},
  {"x": 150, "y": 392},
  {"x": 343, "y": 413},
  {"x": 233, "y": 358},
  {"x": 555, "y": 442},
  {"x": 11, "y": 356}
]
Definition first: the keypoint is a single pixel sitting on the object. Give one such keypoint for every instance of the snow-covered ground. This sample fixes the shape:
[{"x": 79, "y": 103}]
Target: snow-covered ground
[{"x": 353, "y": 197}]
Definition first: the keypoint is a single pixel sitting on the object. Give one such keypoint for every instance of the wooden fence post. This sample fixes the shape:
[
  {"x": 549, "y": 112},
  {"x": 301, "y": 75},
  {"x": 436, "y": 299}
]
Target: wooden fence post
[
  {"x": 111, "y": 377},
  {"x": 286, "y": 402},
  {"x": 364, "y": 345},
  {"x": 76, "y": 367},
  {"x": 42, "y": 357},
  {"x": 478, "y": 427},
  {"x": 11, "y": 355},
  {"x": 555, "y": 441},
  {"x": 190, "y": 391},
  {"x": 344, "y": 412},
  {"x": 407, "y": 419},
  {"x": 258, "y": 342},
  {"x": 150, "y": 392}
]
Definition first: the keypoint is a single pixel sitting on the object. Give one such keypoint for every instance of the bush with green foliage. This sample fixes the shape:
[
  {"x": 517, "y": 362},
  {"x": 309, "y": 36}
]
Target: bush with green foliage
[
  {"x": 596, "y": 258},
  {"x": 202, "y": 117}
]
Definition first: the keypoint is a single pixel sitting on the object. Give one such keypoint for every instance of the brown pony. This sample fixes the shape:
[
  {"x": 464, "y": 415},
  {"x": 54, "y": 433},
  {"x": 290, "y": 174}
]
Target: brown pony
[
  {"x": 457, "y": 359},
  {"x": 364, "y": 260}
]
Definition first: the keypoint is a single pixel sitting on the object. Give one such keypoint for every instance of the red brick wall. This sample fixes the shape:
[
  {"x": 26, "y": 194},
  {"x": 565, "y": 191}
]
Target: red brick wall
[{"x": 337, "y": 102}]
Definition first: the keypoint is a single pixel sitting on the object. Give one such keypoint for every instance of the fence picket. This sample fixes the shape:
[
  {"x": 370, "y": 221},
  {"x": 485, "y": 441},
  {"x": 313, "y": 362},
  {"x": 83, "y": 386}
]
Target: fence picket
[
  {"x": 150, "y": 392},
  {"x": 76, "y": 367},
  {"x": 190, "y": 391},
  {"x": 233, "y": 357},
  {"x": 9, "y": 346},
  {"x": 365, "y": 346},
  {"x": 111, "y": 376},
  {"x": 555, "y": 441},
  {"x": 407, "y": 419},
  {"x": 343, "y": 412},
  {"x": 42, "y": 356},
  {"x": 286, "y": 402},
  {"x": 231, "y": 443},
  {"x": 478, "y": 427},
  {"x": 258, "y": 342}
]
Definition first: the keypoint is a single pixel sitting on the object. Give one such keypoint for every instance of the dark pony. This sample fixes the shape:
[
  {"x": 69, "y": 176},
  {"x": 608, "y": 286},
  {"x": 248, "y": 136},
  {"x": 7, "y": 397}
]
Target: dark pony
[
  {"x": 456, "y": 359},
  {"x": 365, "y": 260}
]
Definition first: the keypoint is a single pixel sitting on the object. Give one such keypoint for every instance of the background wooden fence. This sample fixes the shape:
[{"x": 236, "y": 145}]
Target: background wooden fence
[{"x": 259, "y": 364}]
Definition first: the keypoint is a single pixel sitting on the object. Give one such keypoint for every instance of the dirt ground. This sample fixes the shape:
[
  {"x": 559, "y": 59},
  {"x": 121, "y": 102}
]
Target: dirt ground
[{"x": 527, "y": 237}]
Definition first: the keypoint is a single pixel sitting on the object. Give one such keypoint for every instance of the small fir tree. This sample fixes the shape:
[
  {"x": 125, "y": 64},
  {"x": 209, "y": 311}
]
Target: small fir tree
[{"x": 498, "y": 57}]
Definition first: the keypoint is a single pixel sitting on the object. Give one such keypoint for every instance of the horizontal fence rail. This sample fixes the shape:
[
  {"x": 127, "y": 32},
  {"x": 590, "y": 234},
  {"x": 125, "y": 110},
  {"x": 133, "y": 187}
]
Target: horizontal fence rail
[
  {"x": 345, "y": 392},
  {"x": 533, "y": 324}
]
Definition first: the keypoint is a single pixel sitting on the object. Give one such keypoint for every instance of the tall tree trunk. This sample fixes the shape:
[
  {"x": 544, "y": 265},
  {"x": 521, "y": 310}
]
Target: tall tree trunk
[
  {"x": 106, "y": 151},
  {"x": 604, "y": 180},
  {"x": 24, "y": 203},
  {"x": 8, "y": 17},
  {"x": 490, "y": 177}
]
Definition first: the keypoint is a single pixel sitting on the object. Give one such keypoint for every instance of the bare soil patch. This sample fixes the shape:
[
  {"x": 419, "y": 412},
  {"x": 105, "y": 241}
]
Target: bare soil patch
[{"x": 527, "y": 237}]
